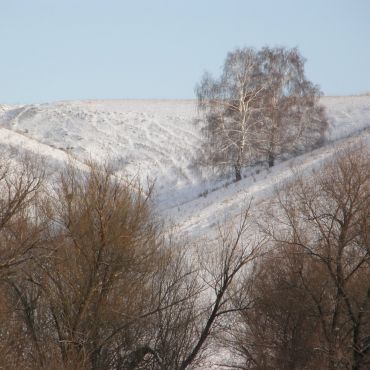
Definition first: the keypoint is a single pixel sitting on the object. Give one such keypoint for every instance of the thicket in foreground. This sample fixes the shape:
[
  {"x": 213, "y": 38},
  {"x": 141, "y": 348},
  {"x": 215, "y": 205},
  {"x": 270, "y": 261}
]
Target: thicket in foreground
[
  {"x": 311, "y": 292},
  {"x": 90, "y": 280}
]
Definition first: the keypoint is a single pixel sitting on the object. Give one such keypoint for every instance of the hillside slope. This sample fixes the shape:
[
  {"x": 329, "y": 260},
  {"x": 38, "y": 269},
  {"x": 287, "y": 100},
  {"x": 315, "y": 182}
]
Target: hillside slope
[{"x": 157, "y": 140}]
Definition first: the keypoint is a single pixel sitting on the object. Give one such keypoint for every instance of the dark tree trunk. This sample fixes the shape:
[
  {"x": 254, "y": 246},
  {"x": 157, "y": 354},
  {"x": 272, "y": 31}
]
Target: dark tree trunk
[
  {"x": 238, "y": 175},
  {"x": 271, "y": 159}
]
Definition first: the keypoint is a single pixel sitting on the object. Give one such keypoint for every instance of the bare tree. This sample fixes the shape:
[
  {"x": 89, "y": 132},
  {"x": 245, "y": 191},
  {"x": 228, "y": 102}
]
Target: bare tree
[
  {"x": 196, "y": 302},
  {"x": 21, "y": 180},
  {"x": 21, "y": 228},
  {"x": 106, "y": 249},
  {"x": 262, "y": 106},
  {"x": 79, "y": 301},
  {"x": 278, "y": 329},
  {"x": 293, "y": 119},
  {"x": 231, "y": 105}
]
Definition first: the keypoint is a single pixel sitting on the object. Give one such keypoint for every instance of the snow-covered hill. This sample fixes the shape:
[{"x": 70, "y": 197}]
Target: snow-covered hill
[
  {"x": 153, "y": 139},
  {"x": 157, "y": 140}
]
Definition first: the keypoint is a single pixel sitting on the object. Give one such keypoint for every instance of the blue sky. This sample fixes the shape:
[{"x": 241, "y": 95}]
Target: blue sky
[{"x": 94, "y": 49}]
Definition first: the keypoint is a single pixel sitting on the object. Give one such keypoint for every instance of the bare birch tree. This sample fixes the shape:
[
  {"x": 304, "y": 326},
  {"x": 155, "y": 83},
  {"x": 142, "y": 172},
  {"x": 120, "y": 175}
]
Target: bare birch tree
[
  {"x": 231, "y": 107},
  {"x": 262, "y": 106},
  {"x": 293, "y": 119}
]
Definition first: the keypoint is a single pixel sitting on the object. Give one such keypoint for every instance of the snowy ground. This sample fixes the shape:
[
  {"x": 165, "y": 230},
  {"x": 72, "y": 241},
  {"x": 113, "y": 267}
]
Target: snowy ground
[{"x": 156, "y": 140}]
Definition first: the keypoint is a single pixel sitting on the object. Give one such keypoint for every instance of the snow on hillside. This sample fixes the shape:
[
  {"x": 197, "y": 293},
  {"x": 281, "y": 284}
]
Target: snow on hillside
[
  {"x": 347, "y": 115},
  {"x": 4, "y": 108},
  {"x": 231, "y": 200},
  {"x": 153, "y": 139},
  {"x": 157, "y": 139}
]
